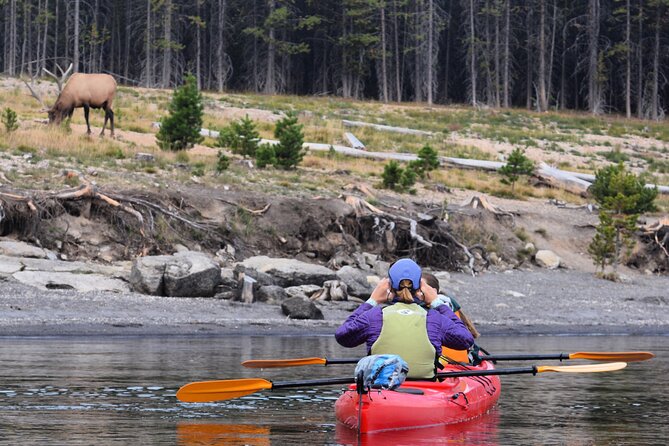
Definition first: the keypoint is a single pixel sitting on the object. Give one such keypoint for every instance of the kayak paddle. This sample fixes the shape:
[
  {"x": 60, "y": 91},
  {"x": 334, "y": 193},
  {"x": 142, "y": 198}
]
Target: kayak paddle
[
  {"x": 595, "y": 356},
  {"x": 205, "y": 391}
]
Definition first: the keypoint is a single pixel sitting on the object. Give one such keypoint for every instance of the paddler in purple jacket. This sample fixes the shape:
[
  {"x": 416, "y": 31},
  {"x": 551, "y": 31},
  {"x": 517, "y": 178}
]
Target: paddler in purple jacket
[{"x": 404, "y": 316}]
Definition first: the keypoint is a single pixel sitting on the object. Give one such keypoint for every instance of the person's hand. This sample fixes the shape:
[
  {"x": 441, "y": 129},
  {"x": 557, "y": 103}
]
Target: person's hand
[
  {"x": 428, "y": 293},
  {"x": 382, "y": 292}
]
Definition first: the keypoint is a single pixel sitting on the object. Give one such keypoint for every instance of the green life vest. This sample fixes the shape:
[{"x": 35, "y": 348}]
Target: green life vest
[{"x": 404, "y": 333}]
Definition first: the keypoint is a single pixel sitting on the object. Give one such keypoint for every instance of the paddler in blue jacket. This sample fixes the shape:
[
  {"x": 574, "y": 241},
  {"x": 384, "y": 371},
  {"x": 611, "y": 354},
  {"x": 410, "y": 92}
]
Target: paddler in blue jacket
[{"x": 404, "y": 316}]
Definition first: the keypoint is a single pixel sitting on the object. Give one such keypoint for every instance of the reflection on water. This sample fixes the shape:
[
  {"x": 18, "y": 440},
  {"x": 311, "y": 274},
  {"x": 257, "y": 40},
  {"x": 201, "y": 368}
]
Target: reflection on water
[{"x": 122, "y": 391}]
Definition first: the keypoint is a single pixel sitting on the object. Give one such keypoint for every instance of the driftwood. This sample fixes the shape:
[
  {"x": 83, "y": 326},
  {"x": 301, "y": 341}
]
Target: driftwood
[
  {"x": 353, "y": 141},
  {"x": 431, "y": 240},
  {"x": 250, "y": 211},
  {"x": 386, "y": 128},
  {"x": 659, "y": 232}
]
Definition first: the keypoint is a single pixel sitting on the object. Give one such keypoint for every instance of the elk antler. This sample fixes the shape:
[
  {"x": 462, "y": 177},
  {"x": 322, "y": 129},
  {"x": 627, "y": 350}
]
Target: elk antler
[
  {"x": 33, "y": 92},
  {"x": 64, "y": 75}
]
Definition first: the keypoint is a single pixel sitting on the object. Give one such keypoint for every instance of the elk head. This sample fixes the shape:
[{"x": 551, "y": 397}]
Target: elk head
[{"x": 55, "y": 114}]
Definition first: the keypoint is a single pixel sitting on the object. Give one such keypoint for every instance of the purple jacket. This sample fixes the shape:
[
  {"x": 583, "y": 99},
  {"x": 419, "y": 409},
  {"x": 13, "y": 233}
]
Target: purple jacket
[{"x": 443, "y": 328}]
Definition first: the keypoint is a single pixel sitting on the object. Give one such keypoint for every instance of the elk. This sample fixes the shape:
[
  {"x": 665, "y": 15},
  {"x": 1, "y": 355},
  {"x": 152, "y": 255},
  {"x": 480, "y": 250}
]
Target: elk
[{"x": 88, "y": 91}]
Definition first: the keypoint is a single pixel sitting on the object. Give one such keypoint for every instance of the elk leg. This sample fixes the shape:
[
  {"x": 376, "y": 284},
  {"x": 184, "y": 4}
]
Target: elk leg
[
  {"x": 111, "y": 121},
  {"x": 104, "y": 126},
  {"x": 87, "y": 109}
]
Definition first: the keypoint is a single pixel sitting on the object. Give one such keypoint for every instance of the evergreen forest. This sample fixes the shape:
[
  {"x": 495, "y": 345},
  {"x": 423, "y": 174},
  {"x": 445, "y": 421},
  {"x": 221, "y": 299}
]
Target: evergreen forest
[{"x": 601, "y": 56}]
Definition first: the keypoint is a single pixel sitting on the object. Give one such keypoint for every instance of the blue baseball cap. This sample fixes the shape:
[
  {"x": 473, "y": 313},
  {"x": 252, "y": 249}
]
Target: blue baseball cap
[{"x": 404, "y": 269}]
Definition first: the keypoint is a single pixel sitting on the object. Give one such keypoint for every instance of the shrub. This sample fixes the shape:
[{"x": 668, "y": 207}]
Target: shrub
[
  {"x": 180, "y": 129},
  {"x": 9, "y": 120},
  {"x": 396, "y": 178},
  {"x": 223, "y": 162},
  {"x": 265, "y": 156},
  {"x": 241, "y": 137}
]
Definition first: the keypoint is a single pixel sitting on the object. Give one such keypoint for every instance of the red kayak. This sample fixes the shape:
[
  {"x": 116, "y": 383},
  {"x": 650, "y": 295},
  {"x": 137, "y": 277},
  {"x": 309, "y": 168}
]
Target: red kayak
[{"x": 418, "y": 404}]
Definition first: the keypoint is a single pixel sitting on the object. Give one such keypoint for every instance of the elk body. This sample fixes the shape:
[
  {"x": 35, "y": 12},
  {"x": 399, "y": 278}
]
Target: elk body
[{"x": 87, "y": 91}]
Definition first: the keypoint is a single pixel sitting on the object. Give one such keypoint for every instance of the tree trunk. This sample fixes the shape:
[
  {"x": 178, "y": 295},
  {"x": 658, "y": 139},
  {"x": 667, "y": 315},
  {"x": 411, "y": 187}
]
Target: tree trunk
[
  {"x": 563, "y": 80},
  {"x": 11, "y": 66},
  {"x": 639, "y": 65},
  {"x": 543, "y": 101},
  {"x": 149, "y": 60},
  {"x": 167, "y": 44},
  {"x": 75, "y": 52},
  {"x": 628, "y": 61},
  {"x": 528, "y": 81},
  {"x": 654, "y": 104},
  {"x": 270, "y": 86},
  {"x": 507, "y": 32},
  {"x": 398, "y": 79},
  {"x": 497, "y": 67},
  {"x": 594, "y": 86},
  {"x": 417, "y": 52},
  {"x": 472, "y": 50},
  {"x": 384, "y": 74},
  {"x": 447, "y": 67},
  {"x": 220, "y": 46},
  {"x": 430, "y": 55}
]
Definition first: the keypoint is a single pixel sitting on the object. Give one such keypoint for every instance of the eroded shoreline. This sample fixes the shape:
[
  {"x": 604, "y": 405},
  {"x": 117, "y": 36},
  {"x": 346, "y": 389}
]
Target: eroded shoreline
[{"x": 517, "y": 302}]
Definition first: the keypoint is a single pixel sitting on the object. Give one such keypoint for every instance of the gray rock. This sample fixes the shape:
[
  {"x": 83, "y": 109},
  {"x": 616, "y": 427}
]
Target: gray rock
[
  {"x": 191, "y": 274},
  {"x": 185, "y": 274},
  {"x": 271, "y": 294},
  {"x": 356, "y": 281},
  {"x": 290, "y": 272},
  {"x": 13, "y": 248},
  {"x": 298, "y": 308},
  {"x": 68, "y": 281},
  {"x": 547, "y": 259},
  {"x": 304, "y": 291},
  {"x": 146, "y": 275}
]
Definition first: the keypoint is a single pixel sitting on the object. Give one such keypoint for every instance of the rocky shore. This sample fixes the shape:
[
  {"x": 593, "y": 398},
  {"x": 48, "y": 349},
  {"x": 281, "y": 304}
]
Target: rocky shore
[{"x": 42, "y": 297}]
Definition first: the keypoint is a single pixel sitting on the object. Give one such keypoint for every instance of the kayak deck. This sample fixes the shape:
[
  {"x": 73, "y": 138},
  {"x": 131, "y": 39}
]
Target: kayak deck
[{"x": 420, "y": 403}]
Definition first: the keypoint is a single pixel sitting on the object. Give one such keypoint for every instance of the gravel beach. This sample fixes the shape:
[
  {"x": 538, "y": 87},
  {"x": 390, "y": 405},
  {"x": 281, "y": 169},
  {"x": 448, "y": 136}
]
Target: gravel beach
[{"x": 540, "y": 302}]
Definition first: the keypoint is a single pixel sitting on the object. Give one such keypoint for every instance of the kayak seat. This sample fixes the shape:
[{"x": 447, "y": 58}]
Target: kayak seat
[{"x": 409, "y": 390}]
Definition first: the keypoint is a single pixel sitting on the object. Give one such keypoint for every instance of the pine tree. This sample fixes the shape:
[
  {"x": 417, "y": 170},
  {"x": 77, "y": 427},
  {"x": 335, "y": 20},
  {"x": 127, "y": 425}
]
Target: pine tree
[
  {"x": 517, "y": 164},
  {"x": 288, "y": 151},
  {"x": 428, "y": 160},
  {"x": 9, "y": 120},
  {"x": 180, "y": 129},
  {"x": 240, "y": 136},
  {"x": 265, "y": 156},
  {"x": 622, "y": 198},
  {"x": 391, "y": 174}
]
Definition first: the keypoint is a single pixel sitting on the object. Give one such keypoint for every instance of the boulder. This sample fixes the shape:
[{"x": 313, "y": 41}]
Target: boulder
[
  {"x": 290, "y": 272},
  {"x": 271, "y": 294},
  {"x": 185, "y": 274},
  {"x": 13, "y": 248},
  {"x": 304, "y": 291},
  {"x": 146, "y": 275},
  {"x": 191, "y": 274},
  {"x": 547, "y": 259},
  {"x": 356, "y": 282},
  {"x": 47, "y": 280},
  {"x": 298, "y": 308}
]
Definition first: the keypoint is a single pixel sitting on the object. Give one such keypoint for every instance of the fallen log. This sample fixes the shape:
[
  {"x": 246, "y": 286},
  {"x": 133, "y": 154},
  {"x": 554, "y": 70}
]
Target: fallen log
[
  {"x": 353, "y": 141},
  {"x": 386, "y": 128}
]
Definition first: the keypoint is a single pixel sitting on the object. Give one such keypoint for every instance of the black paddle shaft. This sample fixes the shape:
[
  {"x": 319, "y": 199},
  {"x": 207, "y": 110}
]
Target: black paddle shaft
[
  {"x": 539, "y": 357},
  {"x": 515, "y": 371},
  {"x": 351, "y": 380}
]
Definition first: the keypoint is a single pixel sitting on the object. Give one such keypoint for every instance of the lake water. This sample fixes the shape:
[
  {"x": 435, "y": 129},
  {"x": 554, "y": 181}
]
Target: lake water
[{"x": 103, "y": 391}]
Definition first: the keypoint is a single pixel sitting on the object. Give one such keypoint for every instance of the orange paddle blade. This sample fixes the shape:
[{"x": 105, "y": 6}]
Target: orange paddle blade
[
  {"x": 205, "y": 391},
  {"x": 274, "y": 363},
  {"x": 613, "y": 356},
  {"x": 586, "y": 368}
]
